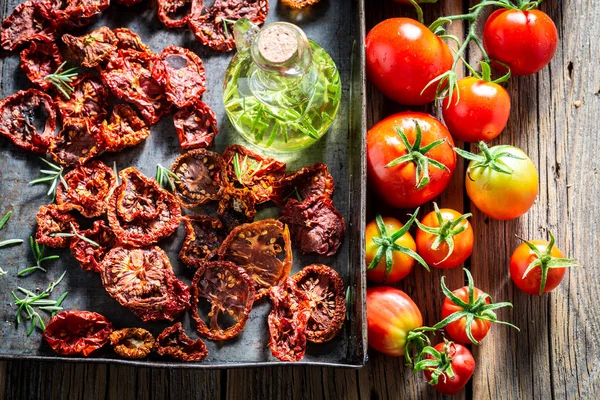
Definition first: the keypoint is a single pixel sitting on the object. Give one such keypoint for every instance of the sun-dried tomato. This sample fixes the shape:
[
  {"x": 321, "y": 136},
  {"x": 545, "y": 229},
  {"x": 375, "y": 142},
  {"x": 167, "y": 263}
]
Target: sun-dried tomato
[
  {"x": 140, "y": 212},
  {"x": 222, "y": 297},
  {"x": 128, "y": 40},
  {"x": 89, "y": 100},
  {"x": 28, "y": 119},
  {"x": 77, "y": 332},
  {"x": 174, "y": 342},
  {"x": 73, "y": 13},
  {"x": 53, "y": 219},
  {"x": 123, "y": 129},
  {"x": 263, "y": 249},
  {"x": 243, "y": 168},
  {"x": 299, "y": 3},
  {"x": 143, "y": 281},
  {"x": 210, "y": 29},
  {"x": 236, "y": 207},
  {"x": 26, "y": 24},
  {"x": 89, "y": 256},
  {"x": 39, "y": 61},
  {"x": 316, "y": 225},
  {"x": 132, "y": 343},
  {"x": 175, "y": 13},
  {"x": 199, "y": 173},
  {"x": 203, "y": 238},
  {"x": 325, "y": 291},
  {"x": 313, "y": 180},
  {"x": 288, "y": 320},
  {"x": 196, "y": 126},
  {"x": 93, "y": 48},
  {"x": 77, "y": 142}
]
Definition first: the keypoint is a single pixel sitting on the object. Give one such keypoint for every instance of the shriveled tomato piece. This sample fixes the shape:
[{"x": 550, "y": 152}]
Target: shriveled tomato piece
[
  {"x": 196, "y": 126},
  {"x": 313, "y": 180},
  {"x": 123, "y": 129},
  {"x": 236, "y": 207},
  {"x": 77, "y": 143},
  {"x": 53, "y": 219},
  {"x": 325, "y": 291},
  {"x": 175, "y": 13},
  {"x": 89, "y": 100},
  {"x": 316, "y": 225},
  {"x": 77, "y": 332},
  {"x": 26, "y": 24},
  {"x": 174, "y": 342},
  {"x": 89, "y": 256},
  {"x": 28, "y": 119},
  {"x": 263, "y": 249},
  {"x": 73, "y": 13},
  {"x": 139, "y": 197},
  {"x": 134, "y": 343},
  {"x": 288, "y": 320},
  {"x": 199, "y": 173},
  {"x": 93, "y": 48},
  {"x": 128, "y": 40},
  {"x": 39, "y": 61},
  {"x": 203, "y": 238},
  {"x": 182, "y": 74},
  {"x": 222, "y": 297}
]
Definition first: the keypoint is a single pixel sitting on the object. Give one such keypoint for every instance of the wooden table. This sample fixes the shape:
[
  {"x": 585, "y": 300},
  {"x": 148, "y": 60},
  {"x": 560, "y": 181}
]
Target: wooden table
[{"x": 556, "y": 353}]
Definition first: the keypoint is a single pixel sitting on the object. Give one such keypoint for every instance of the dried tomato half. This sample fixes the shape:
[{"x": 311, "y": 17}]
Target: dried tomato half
[
  {"x": 123, "y": 129},
  {"x": 73, "y": 13},
  {"x": 92, "y": 48},
  {"x": 143, "y": 281},
  {"x": 288, "y": 320},
  {"x": 203, "y": 238},
  {"x": 89, "y": 256},
  {"x": 210, "y": 29},
  {"x": 132, "y": 343},
  {"x": 236, "y": 207},
  {"x": 196, "y": 126},
  {"x": 199, "y": 173},
  {"x": 313, "y": 180},
  {"x": 263, "y": 249},
  {"x": 53, "y": 219},
  {"x": 222, "y": 297},
  {"x": 28, "y": 119},
  {"x": 88, "y": 100},
  {"x": 128, "y": 40},
  {"x": 174, "y": 342},
  {"x": 316, "y": 225},
  {"x": 175, "y": 13},
  {"x": 77, "y": 142},
  {"x": 325, "y": 291},
  {"x": 243, "y": 168},
  {"x": 77, "y": 332},
  {"x": 39, "y": 61},
  {"x": 26, "y": 24}
]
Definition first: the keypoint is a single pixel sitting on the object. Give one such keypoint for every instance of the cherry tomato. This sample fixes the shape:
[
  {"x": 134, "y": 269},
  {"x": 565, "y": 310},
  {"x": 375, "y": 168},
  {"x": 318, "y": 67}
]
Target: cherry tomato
[
  {"x": 391, "y": 315},
  {"x": 450, "y": 355},
  {"x": 402, "y": 57},
  {"x": 421, "y": 177},
  {"x": 481, "y": 112},
  {"x": 524, "y": 40},
  {"x": 457, "y": 330}
]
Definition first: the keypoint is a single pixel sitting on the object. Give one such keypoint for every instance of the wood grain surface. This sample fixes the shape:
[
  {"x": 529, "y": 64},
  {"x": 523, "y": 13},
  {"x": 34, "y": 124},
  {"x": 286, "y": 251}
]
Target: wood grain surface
[{"x": 555, "y": 355}]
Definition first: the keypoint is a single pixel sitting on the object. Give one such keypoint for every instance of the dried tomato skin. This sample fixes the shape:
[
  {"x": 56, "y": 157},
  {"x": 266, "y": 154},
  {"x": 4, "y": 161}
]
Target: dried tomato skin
[
  {"x": 234, "y": 298},
  {"x": 174, "y": 342},
  {"x": 128, "y": 40},
  {"x": 53, "y": 219},
  {"x": 183, "y": 86},
  {"x": 73, "y": 13},
  {"x": 236, "y": 207},
  {"x": 325, "y": 290},
  {"x": 88, "y": 101},
  {"x": 196, "y": 126},
  {"x": 167, "y": 8},
  {"x": 40, "y": 60},
  {"x": 123, "y": 129},
  {"x": 119, "y": 342},
  {"x": 89, "y": 256},
  {"x": 78, "y": 142},
  {"x": 316, "y": 225},
  {"x": 93, "y": 48},
  {"x": 77, "y": 332},
  {"x": 16, "y": 112},
  {"x": 314, "y": 180},
  {"x": 26, "y": 24},
  {"x": 288, "y": 320},
  {"x": 203, "y": 238},
  {"x": 199, "y": 173}
]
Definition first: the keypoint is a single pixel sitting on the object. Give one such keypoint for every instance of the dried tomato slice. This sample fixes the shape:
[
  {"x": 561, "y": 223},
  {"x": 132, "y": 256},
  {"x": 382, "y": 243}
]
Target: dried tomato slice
[
  {"x": 77, "y": 143},
  {"x": 123, "y": 129},
  {"x": 139, "y": 197},
  {"x": 203, "y": 238},
  {"x": 53, "y": 219},
  {"x": 128, "y": 40},
  {"x": 309, "y": 181},
  {"x": 89, "y": 256},
  {"x": 236, "y": 207},
  {"x": 175, "y": 13},
  {"x": 143, "y": 281},
  {"x": 92, "y": 48},
  {"x": 28, "y": 119},
  {"x": 39, "y": 61},
  {"x": 77, "y": 332},
  {"x": 288, "y": 320},
  {"x": 196, "y": 126},
  {"x": 209, "y": 28},
  {"x": 132, "y": 343},
  {"x": 263, "y": 249},
  {"x": 316, "y": 225},
  {"x": 174, "y": 342},
  {"x": 26, "y": 24},
  {"x": 199, "y": 173},
  {"x": 243, "y": 168},
  {"x": 89, "y": 100},
  {"x": 73, "y": 13},
  {"x": 325, "y": 291},
  {"x": 299, "y": 3}
]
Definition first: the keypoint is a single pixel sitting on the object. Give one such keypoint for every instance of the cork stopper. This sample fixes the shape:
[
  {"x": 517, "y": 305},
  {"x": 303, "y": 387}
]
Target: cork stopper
[{"x": 278, "y": 43}]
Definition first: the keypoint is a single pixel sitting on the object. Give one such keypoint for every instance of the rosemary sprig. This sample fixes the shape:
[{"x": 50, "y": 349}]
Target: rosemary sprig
[
  {"x": 63, "y": 80},
  {"x": 77, "y": 234},
  {"x": 38, "y": 254},
  {"x": 243, "y": 171},
  {"x": 7, "y": 242},
  {"x": 165, "y": 178},
  {"x": 225, "y": 28},
  {"x": 54, "y": 175}
]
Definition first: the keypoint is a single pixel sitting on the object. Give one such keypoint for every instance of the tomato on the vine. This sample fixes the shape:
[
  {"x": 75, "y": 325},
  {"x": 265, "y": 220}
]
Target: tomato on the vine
[{"x": 453, "y": 367}]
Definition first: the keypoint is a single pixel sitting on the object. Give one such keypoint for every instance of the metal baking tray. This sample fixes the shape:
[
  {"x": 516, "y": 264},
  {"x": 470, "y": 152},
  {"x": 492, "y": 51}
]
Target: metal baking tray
[{"x": 338, "y": 25}]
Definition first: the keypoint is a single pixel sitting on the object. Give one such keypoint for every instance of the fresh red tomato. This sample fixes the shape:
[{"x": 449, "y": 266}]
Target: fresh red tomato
[
  {"x": 391, "y": 315},
  {"x": 409, "y": 159},
  {"x": 402, "y": 57},
  {"x": 524, "y": 40},
  {"x": 450, "y": 355},
  {"x": 481, "y": 112}
]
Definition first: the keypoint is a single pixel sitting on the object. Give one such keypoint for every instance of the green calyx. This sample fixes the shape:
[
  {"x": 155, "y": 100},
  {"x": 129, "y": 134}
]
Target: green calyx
[
  {"x": 387, "y": 245},
  {"x": 546, "y": 261},
  {"x": 440, "y": 365},
  {"x": 417, "y": 155},
  {"x": 475, "y": 309},
  {"x": 489, "y": 158},
  {"x": 416, "y": 342}
]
